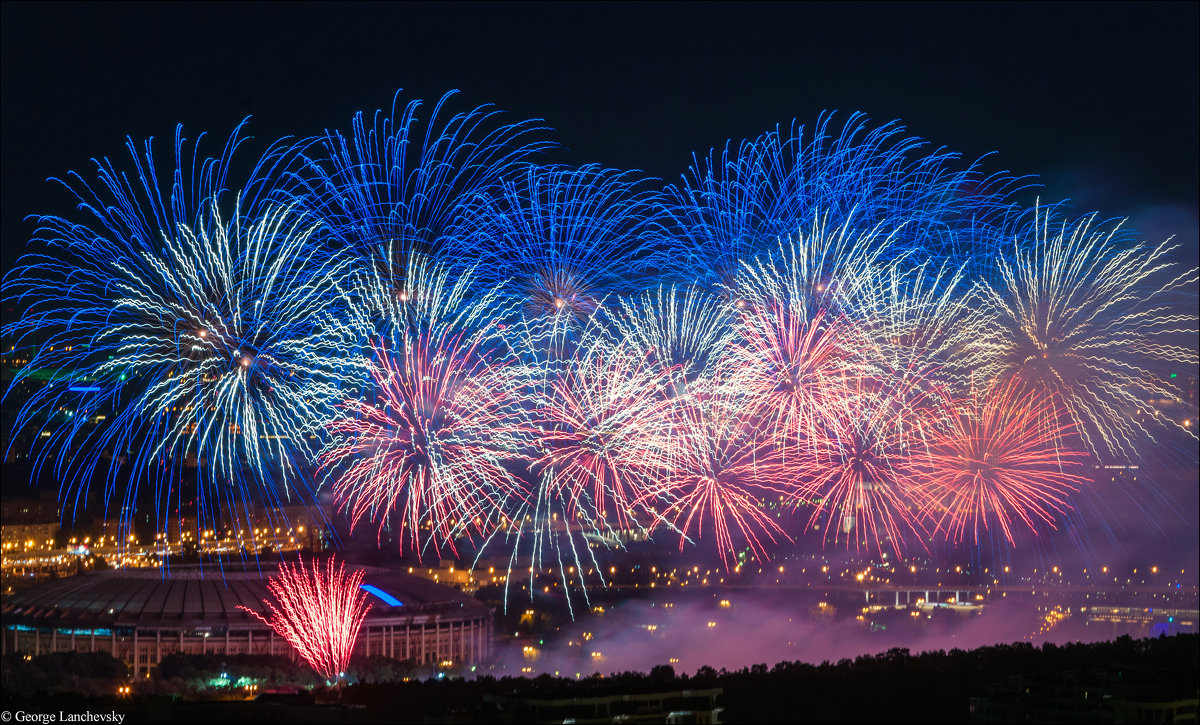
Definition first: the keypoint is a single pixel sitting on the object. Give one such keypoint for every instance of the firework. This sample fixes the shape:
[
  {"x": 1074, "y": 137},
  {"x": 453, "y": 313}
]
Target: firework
[
  {"x": 172, "y": 338},
  {"x": 821, "y": 269},
  {"x": 319, "y": 611},
  {"x": 464, "y": 343},
  {"x": 998, "y": 459},
  {"x": 685, "y": 332},
  {"x": 730, "y": 209},
  {"x": 596, "y": 420},
  {"x": 719, "y": 474},
  {"x": 858, "y": 472},
  {"x": 797, "y": 372},
  {"x": 596, "y": 404},
  {"x": 566, "y": 237},
  {"x": 441, "y": 415},
  {"x": 399, "y": 184},
  {"x": 799, "y": 351},
  {"x": 923, "y": 325},
  {"x": 1081, "y": 315}
]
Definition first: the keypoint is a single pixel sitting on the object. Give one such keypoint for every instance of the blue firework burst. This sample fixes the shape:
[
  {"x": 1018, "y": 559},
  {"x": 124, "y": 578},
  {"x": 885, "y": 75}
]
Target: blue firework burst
[
  {"x": 566, "y": 237},
  {"x": 177, "y": 327},
  {"x": 398, "y": 184},
  {"x": 731, "y": 206}
]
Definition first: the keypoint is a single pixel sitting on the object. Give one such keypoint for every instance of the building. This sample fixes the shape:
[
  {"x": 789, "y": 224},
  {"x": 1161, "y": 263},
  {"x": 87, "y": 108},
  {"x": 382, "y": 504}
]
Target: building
[
  {"x": 143, "y": 615},
  {"x": 30, "y": 507},
  {"x": 674, "y": 707},
  {"x": 26, "y": 537},
  {"x": 1121, "y": 693},
  {"x": 28, "y": 522}
]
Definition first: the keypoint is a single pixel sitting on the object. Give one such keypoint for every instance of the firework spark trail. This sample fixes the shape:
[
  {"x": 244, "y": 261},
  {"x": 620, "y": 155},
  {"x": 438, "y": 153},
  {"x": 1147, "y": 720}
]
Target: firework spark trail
[
  {"x": 998, "y": 459},
  {"x": 717, "y": 469},
  {"x": 442, "y": 415},
  {"x": 922, "y": 324},
  {"x": 858, "y": 475},
  {"x": 392, "y": 188},
  {"x": 685, "y": 332},
  {"x": 566, "y": 237},
  {"x": 597, "y": 419},
  {"x": 175, "y": 335},
  {"x": 728, "y": 209},
  {"x": 799, "y": 350},
  {"x": 319, "y": 611},
  {"x": 1083, "y": 317},
  {"x": 554, "y": 529}
]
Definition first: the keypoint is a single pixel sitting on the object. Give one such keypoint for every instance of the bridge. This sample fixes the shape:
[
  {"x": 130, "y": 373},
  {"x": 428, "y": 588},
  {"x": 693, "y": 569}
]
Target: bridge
[{"x": 902, "y": 594}]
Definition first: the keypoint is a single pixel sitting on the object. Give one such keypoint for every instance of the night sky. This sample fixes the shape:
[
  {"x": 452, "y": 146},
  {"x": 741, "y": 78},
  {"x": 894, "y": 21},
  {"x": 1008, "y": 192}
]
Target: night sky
[{"x": 1099, "y": 100}]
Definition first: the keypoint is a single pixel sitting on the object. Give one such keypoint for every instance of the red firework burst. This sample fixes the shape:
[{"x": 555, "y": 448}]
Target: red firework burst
[
  {"x": 719, "y": 469},
  {"x": 858, "y": 471},
  {"x": 598, "y": 417},
  {"x": 319, "y": 611},
  {"x": 999, "y": 457},
  {"x": 431, "y": 447}
]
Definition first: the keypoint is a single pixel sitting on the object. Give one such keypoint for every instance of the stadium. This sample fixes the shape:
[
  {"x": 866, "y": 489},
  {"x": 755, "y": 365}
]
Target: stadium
[{"x": 143, "y": 615}]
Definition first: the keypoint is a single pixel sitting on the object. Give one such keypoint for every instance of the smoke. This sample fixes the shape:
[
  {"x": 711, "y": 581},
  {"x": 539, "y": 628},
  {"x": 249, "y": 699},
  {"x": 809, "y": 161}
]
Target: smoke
[{"x": 688, "y": 635}]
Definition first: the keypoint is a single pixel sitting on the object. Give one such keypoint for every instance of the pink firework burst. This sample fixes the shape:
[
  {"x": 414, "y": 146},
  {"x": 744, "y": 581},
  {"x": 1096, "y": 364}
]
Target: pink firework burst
[
  {"x": 858, "y": 472},
  {"x": 431, "y": 446},
  {"x": 998, "y": 459},
  {"x": 721, "y": 472},
  {"x": 319, "y": 611},
  {"x": 802, "y": 348},
  {"x": 598, "y": 416},
  {"x": 795, "y": 369}
]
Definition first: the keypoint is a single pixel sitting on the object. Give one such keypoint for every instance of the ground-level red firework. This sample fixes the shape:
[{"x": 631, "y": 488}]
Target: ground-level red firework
[{"x": 319, "y": 610}]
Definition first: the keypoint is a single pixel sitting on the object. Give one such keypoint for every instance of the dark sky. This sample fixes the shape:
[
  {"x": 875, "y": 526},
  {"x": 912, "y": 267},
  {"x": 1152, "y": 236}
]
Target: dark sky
[{"x": 1100, "y": 100}]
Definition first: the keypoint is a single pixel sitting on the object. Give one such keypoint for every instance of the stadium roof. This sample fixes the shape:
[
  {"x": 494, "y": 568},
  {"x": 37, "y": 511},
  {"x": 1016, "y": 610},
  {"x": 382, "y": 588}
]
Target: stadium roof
[{"x": 188, "y": 596}]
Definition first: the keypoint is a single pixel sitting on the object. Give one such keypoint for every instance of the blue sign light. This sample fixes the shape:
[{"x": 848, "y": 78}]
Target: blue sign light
[{"x": 388, "y": 599}]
